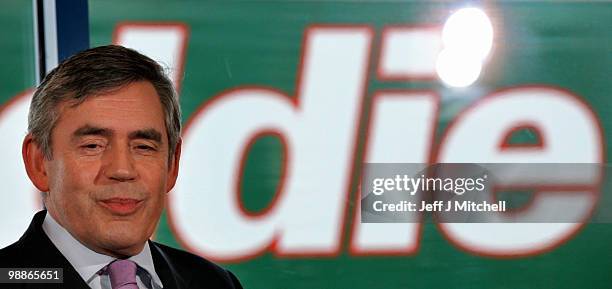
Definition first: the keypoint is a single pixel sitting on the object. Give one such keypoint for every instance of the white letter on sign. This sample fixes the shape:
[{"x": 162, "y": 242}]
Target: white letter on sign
[
  {"x": 401, "y": 131},
  {"x": 570, "y": 133},
  {"x": 318, "y": 126},
  {"x": 20, "y": 200}
]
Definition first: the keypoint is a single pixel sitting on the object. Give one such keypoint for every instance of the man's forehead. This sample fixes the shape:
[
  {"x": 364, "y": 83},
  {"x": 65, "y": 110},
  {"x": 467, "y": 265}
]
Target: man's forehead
[{"x": 130, "y": 109}]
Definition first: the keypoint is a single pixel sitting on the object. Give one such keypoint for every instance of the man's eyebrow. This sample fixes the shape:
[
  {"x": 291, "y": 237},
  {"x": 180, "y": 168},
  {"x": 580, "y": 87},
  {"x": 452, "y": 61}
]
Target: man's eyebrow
[
  {"x": 92, "y": 130},
  {"x": 149, "y": 134}
]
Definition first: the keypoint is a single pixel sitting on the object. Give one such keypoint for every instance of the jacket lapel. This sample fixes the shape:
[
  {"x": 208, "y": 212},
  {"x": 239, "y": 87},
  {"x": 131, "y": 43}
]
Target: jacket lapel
[{"x": 168, "y": 274}]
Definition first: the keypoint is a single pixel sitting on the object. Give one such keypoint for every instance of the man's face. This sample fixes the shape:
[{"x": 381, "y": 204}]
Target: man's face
[{"x": 110, "y": 170}]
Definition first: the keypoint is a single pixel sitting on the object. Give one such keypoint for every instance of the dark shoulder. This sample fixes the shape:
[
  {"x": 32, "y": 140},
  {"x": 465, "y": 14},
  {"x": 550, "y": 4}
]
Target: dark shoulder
[
  {"x": 15, "y": 255},
  {"x": 8, "y": 255},
  {"x": 32, "y": 249},
  {"x": 204, "y": 271}
]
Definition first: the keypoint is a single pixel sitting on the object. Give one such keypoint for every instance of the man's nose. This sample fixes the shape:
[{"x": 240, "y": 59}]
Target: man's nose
[{"x": 119, "y": 164}]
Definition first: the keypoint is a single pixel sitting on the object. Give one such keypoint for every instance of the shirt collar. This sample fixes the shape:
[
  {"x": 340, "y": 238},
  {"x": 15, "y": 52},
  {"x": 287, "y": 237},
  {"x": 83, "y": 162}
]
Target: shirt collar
[{"x": 88, "y": 262}]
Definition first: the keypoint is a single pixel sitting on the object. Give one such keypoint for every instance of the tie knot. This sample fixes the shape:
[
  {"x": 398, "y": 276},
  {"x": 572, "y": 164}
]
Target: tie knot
[{"x": 122, "y": 274}]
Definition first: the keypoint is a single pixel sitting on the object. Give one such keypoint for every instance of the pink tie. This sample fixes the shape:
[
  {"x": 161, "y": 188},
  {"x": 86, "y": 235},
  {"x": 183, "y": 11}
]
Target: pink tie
[{"x": 122, "y": 274}]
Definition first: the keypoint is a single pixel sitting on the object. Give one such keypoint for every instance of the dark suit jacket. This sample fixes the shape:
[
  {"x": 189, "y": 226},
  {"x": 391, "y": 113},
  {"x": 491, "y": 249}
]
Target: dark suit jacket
[{"x": 177, "y": 269}]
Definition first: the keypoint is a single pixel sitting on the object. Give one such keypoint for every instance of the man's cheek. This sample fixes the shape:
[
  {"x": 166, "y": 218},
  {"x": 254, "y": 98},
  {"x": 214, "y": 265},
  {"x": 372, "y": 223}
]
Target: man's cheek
[
  {"x": 86, "y": 174},
  {"x": 154, "y": 180}
]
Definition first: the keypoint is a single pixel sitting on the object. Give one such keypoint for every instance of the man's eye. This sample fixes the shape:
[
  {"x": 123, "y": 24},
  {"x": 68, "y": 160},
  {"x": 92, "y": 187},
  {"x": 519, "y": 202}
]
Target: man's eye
[
  {"x": 91, "y": 146},
  {"x": 145, "y": 147},
  {"x": 92, "y": 149}
]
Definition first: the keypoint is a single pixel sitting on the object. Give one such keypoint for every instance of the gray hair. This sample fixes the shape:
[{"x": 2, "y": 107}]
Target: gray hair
[{"x": 93, "y": 72}]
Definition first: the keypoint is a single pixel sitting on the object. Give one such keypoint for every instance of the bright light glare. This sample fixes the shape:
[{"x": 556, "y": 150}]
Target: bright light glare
[
  {"x": 457, "y": 70},
  {"x": 467, "y": 38},
  {"x": 469, "y": 30}
]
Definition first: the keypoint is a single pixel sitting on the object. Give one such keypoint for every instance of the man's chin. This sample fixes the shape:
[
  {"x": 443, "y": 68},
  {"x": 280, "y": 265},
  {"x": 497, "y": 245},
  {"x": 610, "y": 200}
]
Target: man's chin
[
  {"x": 120, "y": 248},
  {"x": 121, "y": 242}
]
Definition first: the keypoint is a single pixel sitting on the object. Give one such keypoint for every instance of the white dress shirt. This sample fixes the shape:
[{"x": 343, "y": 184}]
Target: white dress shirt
[{"x": 87, "y": 262}]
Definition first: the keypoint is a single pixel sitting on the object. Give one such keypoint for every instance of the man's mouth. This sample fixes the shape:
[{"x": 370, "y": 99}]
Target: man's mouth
[{"x": 121, "y": 206}]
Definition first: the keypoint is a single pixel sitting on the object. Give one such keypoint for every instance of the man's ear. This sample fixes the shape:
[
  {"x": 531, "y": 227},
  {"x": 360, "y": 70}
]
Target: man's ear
[
  {"x": 174, "y": 166},
  {"x": 34, "y": 160}
]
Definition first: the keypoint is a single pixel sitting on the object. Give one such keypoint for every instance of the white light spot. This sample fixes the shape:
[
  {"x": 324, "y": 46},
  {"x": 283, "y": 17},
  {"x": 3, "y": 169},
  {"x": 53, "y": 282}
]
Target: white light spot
[
  {"x": 470, "y": 31},
  {"x": 467, "y": 38},
  {"x": 457, "y": 70}
]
